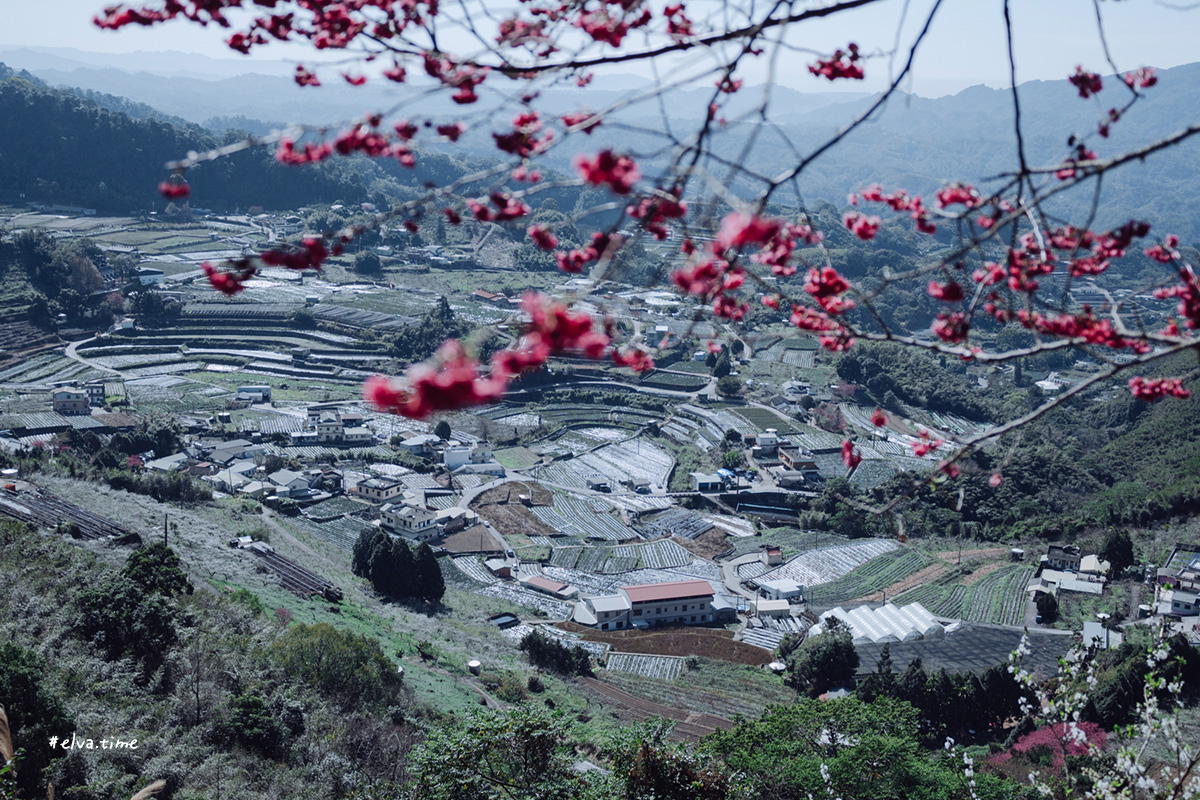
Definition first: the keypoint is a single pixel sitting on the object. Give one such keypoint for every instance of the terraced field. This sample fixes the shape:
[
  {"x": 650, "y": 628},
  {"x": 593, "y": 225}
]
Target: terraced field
[
  {"x": 999, "y": 597},
  {"x": 873, "y": 576},
  {"x": 762, "y": 419},
  {"x": 827, "y": 564},
  {"x": 663, "y": 554},
  {"x": 664, "y": 668},
  {"x": 582, "y": 518}
]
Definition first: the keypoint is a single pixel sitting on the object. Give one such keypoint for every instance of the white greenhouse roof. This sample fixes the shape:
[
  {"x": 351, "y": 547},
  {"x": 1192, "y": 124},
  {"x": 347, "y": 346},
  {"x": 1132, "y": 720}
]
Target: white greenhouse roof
[{"x": 889, "y": 623}]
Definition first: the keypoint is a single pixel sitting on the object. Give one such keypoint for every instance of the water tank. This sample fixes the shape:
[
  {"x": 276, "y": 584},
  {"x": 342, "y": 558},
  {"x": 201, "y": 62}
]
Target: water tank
[{"x": 474, "y": 667}]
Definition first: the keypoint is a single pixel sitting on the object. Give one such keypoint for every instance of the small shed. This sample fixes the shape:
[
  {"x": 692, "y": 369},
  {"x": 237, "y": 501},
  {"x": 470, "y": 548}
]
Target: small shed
[
  {"x": 499, "y": 567},
  {"x": 763, "y": 607}
]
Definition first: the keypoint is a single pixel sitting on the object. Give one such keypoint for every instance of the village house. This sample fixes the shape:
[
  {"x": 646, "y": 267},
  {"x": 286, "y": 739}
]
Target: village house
[
  {"x": 378, "y": 490},
  {"x": 70, "y": 400},
  {"x": 421, "y": 444},
  {"x": 288, "y": 483},
  {"x": 409, "y": 520},
  {"x": 1062, "y": 557},
  {"x": 649, "y": 605}
]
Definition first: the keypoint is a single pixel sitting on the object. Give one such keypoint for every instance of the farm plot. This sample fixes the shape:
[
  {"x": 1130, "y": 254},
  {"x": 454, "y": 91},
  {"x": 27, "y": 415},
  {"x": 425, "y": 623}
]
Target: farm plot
[
  {"x": 762, "y": 419},
  {"x": 44, "y": 368},
  {"x": 664, "y": 668},
  {"x": 471, "y": 567},
  {"x": 675, "y": 522},
  {"x": 518, "y": 632},
  {"x": 827, "y": 564},
  {"x": 734, "y": 526},
  {"x": 16, "y": 373},
  {"x": 717, "y": 421},
  {"x": 873, "y": 576},
  {"x": 170, "y": 393},
  {"x": 341, "y": 533},
  {"x": 946, "y": 601},
  {"x": 676, "y": 382},
  {"x": 1000, "y": 597},
  {"x": 639, "y": 502},
  {"x": 637, "y": 460},
  {"x": 663, "y": 554},
  {"x": 165, "y": 368},
  {"x": 516, "y": 458},
  {"x": 574, "y": 516},
  {"x": 511, "y": 593},
  {"x": 586, "y": 582}
]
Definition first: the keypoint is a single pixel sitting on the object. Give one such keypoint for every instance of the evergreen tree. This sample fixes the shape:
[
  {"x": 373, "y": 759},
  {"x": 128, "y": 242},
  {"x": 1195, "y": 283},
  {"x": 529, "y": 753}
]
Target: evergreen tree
[
  {"x": 721, "y": 367},
  {"x": 428, "y": 578},
  {"x": 1118, "y": 552},
  {"x": 397, "y": 578},
  {"x": 881, "y": 682},
  {"x": 360, "y": 563}
]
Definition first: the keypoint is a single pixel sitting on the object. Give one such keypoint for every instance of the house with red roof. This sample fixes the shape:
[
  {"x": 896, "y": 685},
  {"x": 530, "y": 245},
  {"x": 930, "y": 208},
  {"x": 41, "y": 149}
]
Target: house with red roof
[{"x": 649, "y": 605}]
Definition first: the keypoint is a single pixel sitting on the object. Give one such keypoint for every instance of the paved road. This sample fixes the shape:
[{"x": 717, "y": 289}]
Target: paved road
[
  {"x": 72, "y": 354},
  {"x": 730, "y": 577}
]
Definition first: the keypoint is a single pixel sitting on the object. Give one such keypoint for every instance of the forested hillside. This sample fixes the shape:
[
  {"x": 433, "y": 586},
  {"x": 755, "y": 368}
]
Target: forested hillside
[{"x": 59, "y": 147}]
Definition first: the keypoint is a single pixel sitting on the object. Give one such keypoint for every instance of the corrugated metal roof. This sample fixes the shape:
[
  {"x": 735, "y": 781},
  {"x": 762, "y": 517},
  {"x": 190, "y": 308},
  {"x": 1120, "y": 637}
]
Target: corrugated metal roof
[
  {"x": 674, "y": 590},
  {"x": 545, "y": 583}
]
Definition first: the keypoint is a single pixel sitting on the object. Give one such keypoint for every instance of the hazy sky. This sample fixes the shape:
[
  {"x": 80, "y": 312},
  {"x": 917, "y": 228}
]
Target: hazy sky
[{"x": 965, "y": 47}]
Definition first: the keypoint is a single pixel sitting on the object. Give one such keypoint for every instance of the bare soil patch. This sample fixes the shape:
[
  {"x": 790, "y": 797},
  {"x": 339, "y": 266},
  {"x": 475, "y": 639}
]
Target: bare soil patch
[
  {"x": 978, "y": 574},
  {"x": 690, "y": 726},
  {"x": 978, "y": 554},
  {"x": 711, "y": 544},
  {"x": 502, "y": 507},
  {"x": 715, "y": 643},
  {"x": 475, "y": 539}
]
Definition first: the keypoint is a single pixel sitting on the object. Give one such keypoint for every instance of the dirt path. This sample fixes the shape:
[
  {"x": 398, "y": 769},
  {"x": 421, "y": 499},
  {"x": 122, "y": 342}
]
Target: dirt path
[{"x": 314, "y": 560}]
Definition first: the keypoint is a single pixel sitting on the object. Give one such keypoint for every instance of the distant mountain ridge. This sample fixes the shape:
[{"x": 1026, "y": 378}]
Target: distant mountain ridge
[{"x": 914, "y": 143}]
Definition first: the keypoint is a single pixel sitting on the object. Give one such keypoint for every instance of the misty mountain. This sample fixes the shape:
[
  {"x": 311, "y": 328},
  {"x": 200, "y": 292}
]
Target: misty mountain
[{"x": 914, "y": 143}]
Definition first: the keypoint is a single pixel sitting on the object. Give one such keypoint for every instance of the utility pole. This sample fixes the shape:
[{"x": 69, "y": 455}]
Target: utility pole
[{"x": 165, "y": 529}]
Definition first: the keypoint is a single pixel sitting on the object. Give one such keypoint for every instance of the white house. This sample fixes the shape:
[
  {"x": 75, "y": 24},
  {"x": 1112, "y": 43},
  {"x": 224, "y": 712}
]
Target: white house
[
  {"x": 149, "y": 276},
  {"x": 378, "y": 490},
  {"x": 356, "y": 435},
  {"x": 329, "y": 427},
  {"x": 421, "y": 444},
  {"x": 413, "y": 521},
  {"x": 781, "y": 590}
]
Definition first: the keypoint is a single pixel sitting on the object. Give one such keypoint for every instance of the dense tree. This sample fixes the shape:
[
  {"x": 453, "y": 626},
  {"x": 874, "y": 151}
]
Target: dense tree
[
  {"x": 823, "y": 662},
  {"x": 1047, "y": 606},
  {"x": 368, "y": 263},
  {"x": 428, "y": 580},
  {"x": 549, "y": 653},
  {"x": 1117, "y": 550},
  {"x": 421, "y": 340},
  {"x": 488, "y": 755},
  {"x": 346, "y": 666},
  {"x": 35, "y": 712},
  {"x": 844, "y": 748},
  {"x": 122, "y": 618},
  {"x": 156, "y": 568}
]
